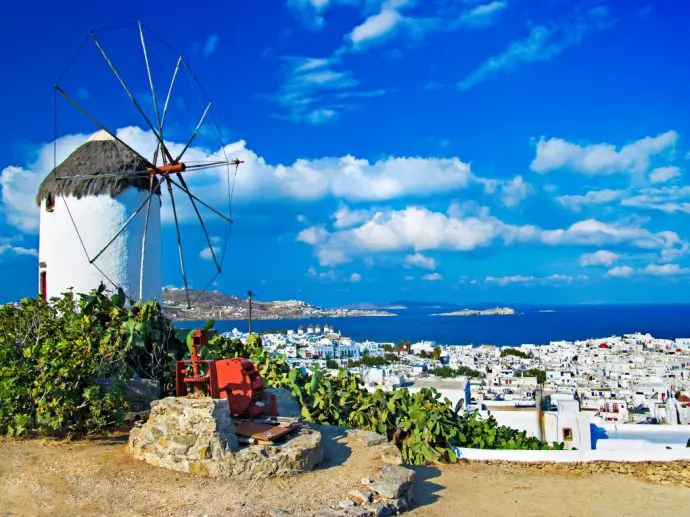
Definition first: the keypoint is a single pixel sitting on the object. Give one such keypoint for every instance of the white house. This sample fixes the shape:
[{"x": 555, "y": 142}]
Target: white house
[
  {"x": 423, "y": 346},
  {"x": 96, "y": 187}
]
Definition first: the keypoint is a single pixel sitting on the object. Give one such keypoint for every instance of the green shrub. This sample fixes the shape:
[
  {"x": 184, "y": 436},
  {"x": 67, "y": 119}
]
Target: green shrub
[
  {"x": 533, "y": 372},
  {"x": 447, "y": 372},
  {"x": 62, "y": 363},
  {"x": 515, "y": 352}
]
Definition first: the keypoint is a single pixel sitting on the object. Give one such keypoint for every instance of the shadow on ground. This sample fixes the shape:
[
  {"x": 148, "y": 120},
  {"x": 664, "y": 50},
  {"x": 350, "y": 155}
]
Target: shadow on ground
[
  {"x": 335, "y": 448},
  {"x": 427, "y": 490}
]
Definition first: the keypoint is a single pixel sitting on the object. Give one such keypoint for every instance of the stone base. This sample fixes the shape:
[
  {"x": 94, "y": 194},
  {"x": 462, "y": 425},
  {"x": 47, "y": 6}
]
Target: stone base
[{"x": 197, "y": 435}]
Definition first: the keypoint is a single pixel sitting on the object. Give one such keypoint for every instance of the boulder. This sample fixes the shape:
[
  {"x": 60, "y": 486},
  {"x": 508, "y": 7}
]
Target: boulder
[
  {"x": 380, "y": 509},
  {"x": 360, "y": 496},
  {"x": 390, "y": 454},
  {"x": 367, "y": 438},
  {"x": 394, "y": 482}
]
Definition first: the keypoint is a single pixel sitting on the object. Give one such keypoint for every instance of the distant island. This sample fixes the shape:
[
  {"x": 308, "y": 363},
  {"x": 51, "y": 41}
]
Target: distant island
[
  {"x": 497, "y": 311},
  {"x": 220, "y": 306}
]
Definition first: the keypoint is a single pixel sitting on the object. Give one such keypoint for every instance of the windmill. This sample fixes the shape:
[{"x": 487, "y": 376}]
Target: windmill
[{"x": 106, "y": 229}]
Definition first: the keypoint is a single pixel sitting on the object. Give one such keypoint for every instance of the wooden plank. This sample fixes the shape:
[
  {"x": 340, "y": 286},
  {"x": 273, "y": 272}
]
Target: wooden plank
[{"x": 261, "y": 432}]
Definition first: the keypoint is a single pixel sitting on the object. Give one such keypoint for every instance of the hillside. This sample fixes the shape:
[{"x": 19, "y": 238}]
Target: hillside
[{"x": 217, "y": 305}]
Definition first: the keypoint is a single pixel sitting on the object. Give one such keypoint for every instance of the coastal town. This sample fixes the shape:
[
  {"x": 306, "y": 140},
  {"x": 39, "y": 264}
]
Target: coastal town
[{"x": 553, "y": 391}]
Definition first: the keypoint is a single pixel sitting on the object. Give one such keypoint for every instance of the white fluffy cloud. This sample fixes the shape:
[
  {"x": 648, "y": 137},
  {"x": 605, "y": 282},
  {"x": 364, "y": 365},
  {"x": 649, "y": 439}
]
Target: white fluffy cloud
[
  {"x": 325, "y": 276},
  {"x": 591, "y": 232},
  {"x": 312, "y": 11},
  {"x": 658, "y": 270},
  {"x": 20, "y": 185},
  {"x": 543, "y": 44},
  {"x": 376, "y": 26},
  {"x": 621, "y": 271},
  {"x": 418, "y": 229},
  {"x": 599, "y": 258},
  {"x": 345, "y": 177},
  {"x": 393, "y": 17},
  {"x": 556, "y": 279},
  {"x": 432, "y": 277},
  {"x": 18, "y": 250},
  {"x": 313, "y": 235},
  {"x": 205, "y": 254},
  {"x": 665, "y": 270},
  {"x": 668, "y": 199},
  {"x": 576, "y": 202},
  {"x": 344, "y": 217},
  {"x": 664, "y": 174},
  {"x": 601, "y": 159},
  {"x": 313, "y": 88},
  {"x": 514, "y": 191},
  {"x": 355, "y": 277},
  {"x": 421, "y": 261}
]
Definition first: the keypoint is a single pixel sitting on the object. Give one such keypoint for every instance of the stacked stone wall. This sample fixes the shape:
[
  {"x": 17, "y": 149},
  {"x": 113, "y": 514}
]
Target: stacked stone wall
[{"x": 197, "y": 436}]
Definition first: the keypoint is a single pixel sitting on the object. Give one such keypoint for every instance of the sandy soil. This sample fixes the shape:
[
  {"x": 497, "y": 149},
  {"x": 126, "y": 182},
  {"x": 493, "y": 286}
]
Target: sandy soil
[
  {"x": 42, "y": 477},
  {"x": 540, "y": 491}
]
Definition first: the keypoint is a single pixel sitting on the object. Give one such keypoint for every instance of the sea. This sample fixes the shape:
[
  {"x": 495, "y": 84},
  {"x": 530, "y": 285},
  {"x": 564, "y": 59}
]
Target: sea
[{"x": 531, "y": 324}]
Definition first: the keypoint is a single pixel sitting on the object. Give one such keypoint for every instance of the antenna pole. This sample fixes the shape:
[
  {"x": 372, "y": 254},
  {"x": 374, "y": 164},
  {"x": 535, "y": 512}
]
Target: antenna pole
[{"x": 249, "y": 295}]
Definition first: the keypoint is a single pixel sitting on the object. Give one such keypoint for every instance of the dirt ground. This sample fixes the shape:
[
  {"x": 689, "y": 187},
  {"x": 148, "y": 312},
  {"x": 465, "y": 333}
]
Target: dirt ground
[
  {"x": 48, "y": 478},
  {"x": 99, "y": 477},
  {"x": 538, "y": 491}
]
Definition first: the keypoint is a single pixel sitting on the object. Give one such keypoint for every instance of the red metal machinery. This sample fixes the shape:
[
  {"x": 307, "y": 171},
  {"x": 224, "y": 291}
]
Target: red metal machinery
[{"x": 236, "y": 380}]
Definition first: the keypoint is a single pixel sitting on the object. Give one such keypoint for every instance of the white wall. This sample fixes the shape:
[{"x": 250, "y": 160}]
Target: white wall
[
  {"x": 572, "y": 456},
  {"x": 579, "y": 424},
  {"x": 655, "y": 436},
  {"x": 98, "y": 218},
  {"x": 522, "y": 420}
]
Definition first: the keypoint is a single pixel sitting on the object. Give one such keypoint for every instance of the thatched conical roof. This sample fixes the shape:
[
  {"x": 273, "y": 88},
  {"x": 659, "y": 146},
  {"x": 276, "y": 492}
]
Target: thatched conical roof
[{"x": 110, "y": 167}]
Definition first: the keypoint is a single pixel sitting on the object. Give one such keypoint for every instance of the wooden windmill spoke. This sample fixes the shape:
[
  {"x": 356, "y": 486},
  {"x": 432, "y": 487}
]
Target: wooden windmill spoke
[
  {"x": 167, "y": 97},
  {"x": 153, "y": 92},
  {"x": 194, "y": 133},
  {"x": 148, "y": 72},
  {"x": 143, "y": 241},
  {"x": 131, "y": 97},
  {"x": 179, "y": 240},
  {"x": 95, "y": 121},
  {"x": 167, "y": 100},
  {"x": 123, "y": 227},
  {"x": 201, "y": 220},
  {"x": 186, "y": 190}
]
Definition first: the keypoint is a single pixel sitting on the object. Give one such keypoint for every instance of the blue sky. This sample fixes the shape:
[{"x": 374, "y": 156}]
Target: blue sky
[{"x": 452, "y": 150}]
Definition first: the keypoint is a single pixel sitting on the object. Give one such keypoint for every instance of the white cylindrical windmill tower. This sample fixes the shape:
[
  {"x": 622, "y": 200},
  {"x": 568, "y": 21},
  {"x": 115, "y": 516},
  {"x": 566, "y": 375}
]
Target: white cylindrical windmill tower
[{"x": 84, "y": 204}]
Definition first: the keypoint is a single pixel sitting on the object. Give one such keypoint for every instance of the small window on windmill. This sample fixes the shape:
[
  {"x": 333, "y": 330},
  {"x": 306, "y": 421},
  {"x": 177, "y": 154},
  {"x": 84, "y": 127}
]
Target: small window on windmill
[
  {"x": 567, "y": 434},
  {"x": 50, "y": 203},
  {"x": 43, "y": 284}
]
